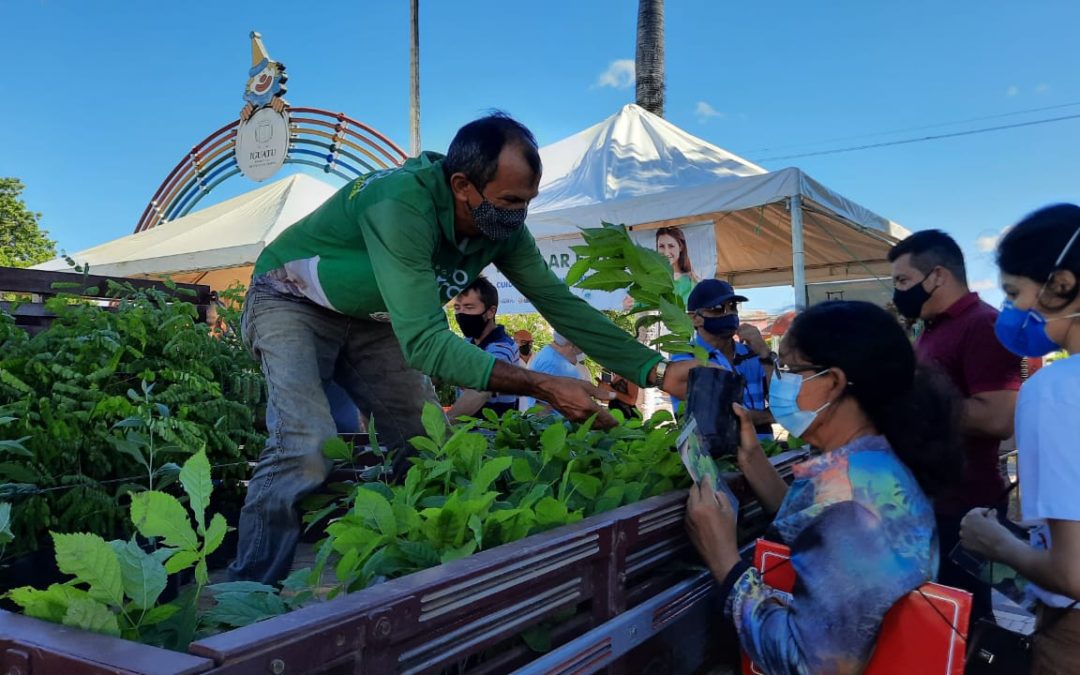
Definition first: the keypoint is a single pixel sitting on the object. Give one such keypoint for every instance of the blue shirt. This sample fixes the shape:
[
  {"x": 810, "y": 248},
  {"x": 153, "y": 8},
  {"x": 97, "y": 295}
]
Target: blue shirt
[
  {"x": 503, "y": 348},
  {"x": 551, "y": 362},
  {"x": 749, "y": 366}
]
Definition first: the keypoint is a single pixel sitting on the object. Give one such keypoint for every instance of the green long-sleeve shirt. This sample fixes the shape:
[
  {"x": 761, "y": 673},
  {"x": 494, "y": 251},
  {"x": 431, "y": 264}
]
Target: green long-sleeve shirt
[{"x": 384, "y": 246}]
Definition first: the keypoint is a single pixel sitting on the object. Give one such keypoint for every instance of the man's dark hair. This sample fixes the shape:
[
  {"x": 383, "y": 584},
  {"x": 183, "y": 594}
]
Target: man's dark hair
[
  {"x": 930, "y": 249},
  {"x": 486, "y": 290},
  {"x": 476, "y": 147}
]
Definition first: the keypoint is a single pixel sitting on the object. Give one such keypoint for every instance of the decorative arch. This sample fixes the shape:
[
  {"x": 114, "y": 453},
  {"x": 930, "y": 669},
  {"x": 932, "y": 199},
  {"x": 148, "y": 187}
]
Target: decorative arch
[{"x": 333, "y": 142}]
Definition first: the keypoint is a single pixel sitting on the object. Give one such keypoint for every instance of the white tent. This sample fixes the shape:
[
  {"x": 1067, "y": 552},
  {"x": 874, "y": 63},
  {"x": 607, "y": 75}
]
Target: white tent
[
  {"x": 771, "y": 228},
  {"x": 216, "y": 245}
]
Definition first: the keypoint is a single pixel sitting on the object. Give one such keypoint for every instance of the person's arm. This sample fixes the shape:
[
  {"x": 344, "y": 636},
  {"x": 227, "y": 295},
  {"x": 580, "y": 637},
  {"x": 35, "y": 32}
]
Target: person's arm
[
  {"x": 469, "y": 403},
  {"x": 574, "y": 398},
  {"x": 989, "y": 414},
  {"x": 1056, "y": 570},
  {"x": 760, "y": 474},
  {"x": 571, "y": 316},
  {"x": 992, "y": 374}
]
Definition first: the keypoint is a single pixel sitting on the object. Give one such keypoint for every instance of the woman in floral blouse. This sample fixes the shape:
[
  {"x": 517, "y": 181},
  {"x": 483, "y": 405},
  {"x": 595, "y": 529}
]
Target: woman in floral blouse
[{"x": 857, "y": 517}]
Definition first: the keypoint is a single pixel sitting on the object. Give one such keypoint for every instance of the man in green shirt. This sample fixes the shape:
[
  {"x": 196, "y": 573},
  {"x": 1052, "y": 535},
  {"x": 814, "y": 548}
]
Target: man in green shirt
[{"x": 354, "y": 293}]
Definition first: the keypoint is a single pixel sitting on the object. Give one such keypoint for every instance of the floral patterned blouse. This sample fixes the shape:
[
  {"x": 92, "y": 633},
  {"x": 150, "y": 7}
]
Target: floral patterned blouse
[{"x": 862, "y": 535}]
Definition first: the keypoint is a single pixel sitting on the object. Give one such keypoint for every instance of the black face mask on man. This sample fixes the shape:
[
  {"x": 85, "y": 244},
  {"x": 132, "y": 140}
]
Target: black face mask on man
[
  {"x": 495, "y": 223},
  {"x": 472, "y": 325},
  {"x": 525, "y": 348},
  {"x": 910, "y": 302}
]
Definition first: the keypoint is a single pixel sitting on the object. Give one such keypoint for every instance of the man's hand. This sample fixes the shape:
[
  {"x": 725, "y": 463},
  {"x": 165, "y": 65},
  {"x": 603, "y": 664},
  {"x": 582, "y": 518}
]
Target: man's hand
[
  {"x": 710, "y": 522},
  {"x": 575, "y": 400},
  {"x": 751, "y": 337}
]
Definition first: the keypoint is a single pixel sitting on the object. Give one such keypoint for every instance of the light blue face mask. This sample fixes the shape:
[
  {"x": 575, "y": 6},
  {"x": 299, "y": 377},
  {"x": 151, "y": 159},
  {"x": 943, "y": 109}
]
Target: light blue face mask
[{"x": 784, "y": 405}]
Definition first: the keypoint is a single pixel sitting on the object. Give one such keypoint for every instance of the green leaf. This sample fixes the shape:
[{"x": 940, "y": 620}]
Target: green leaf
[
  {"x": 458, "y": 553},
  {"x": 195, "y": 477},
  {"x": 488, "y": 473},
  {"x": 91, "y": 615},
  {"x": 215, "y": 534},
  {"x": 434, "y": 421},
  {"x": 577, "y": 270},
  {"x": 156, "y": 514},
  {"x": 419, "y": 553},
  {"x": 5, "y": 523},
  {"x": 337, "y": 450},
  {"x": 550, "y": 511},
  {"x": 552, "y": 441},
  {"x": 521, "y": 470},
  {"x": 477, "y": 528},
  {"x": 15, "y": 447},
  {"x": 241, "y": 608},
  {"x": 424, "y": 443},
  {"x": 585, "y": 485},
  {"x": 181, "y": 560},
  {"x": 375, "y": 509},
  {"x": 143, "y": 577},
  {"x": 158, "y": 614},
  {"x": 92, "y": 561},
  {"x": 676, "y": 320},
  {"x": 48, "y": 605}
]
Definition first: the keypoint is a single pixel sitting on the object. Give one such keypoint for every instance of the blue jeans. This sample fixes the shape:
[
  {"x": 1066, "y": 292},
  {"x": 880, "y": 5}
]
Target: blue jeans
[{"x": 300, "y": 346}]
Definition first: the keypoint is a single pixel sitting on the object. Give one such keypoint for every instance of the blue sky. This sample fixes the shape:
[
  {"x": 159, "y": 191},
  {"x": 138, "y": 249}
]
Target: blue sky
[{"x": 100, "y": 100}]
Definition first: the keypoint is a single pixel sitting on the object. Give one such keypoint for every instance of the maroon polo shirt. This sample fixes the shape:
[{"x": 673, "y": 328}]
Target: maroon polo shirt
[{"x": 962, "y": 343}]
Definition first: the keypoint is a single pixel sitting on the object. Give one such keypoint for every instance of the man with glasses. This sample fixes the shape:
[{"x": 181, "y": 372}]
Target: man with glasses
[{"x": 713, "y": 306}]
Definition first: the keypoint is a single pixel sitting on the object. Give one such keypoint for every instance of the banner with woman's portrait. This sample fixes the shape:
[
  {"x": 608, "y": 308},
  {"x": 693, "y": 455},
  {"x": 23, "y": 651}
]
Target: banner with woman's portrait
[{"x": 691, "y": 249}]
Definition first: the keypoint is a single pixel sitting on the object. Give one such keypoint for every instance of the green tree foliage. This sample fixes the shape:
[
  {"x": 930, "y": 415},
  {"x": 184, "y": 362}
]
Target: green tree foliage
[
  {"x": 22, "y": 241},
  {"x": 107, "y": 403}
]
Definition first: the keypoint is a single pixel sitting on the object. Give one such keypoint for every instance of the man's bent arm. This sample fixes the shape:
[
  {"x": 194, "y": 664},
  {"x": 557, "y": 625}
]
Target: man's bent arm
[{"x": 990, "y": 414}]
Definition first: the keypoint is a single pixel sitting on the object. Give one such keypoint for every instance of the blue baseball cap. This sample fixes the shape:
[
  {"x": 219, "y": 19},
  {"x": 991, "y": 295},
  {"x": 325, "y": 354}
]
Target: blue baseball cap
[{"x": 712, "y": 293}]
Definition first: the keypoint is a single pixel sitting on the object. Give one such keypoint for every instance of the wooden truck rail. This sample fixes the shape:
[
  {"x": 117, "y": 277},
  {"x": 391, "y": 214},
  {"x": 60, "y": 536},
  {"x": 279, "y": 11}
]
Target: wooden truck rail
[
  {"x": 41, "y": 285},
  {"x": 463, "y": 616}
]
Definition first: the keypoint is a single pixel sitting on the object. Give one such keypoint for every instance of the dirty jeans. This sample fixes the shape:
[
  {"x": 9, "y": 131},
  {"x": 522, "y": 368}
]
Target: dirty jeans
[{"x": 301, "y": 346}]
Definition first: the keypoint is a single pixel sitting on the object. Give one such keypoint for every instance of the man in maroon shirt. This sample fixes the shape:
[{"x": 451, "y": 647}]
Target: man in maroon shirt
[{"x": 958, "y": 338}]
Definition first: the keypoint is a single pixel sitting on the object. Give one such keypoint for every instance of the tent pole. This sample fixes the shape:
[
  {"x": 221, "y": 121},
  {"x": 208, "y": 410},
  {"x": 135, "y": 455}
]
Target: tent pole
[{"x": 797, "y": 252}]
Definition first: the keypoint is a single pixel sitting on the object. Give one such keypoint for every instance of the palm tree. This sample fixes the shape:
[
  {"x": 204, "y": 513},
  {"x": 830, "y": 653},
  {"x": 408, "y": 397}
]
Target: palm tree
[
  {"x": 649, "y": 59},
  {"x": 414, "y": 77}
]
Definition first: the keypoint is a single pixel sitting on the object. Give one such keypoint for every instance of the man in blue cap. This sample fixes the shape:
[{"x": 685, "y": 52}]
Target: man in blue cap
[{"x": 713, "y": 306}]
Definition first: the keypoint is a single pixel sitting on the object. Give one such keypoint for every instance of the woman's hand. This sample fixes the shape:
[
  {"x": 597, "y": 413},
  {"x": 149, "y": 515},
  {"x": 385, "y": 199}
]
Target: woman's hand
[
  {"x": 980, "y": 532},
  {"x": 710, "y": 522},
  {"x": 749, "y": 445}
]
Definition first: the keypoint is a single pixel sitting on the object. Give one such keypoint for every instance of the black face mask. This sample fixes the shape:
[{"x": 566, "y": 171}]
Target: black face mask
[
  {"x": 495, "y": 223},
  {"x": 910, "y": 302},
  {"x": 525, "y": 348},
  {"x": 721, "y": 325},
  {"x": 471, "y": 325}
]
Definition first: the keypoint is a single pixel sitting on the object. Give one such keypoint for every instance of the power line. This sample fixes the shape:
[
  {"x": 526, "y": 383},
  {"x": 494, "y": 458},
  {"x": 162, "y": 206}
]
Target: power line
[
  {"x": 916, "y": 128},
  {"x": 921, "y": 139}
]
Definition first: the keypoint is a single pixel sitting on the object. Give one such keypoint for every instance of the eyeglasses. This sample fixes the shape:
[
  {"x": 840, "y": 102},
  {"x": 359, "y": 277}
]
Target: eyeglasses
[
  {"x": 720, "y": 310},
  {"x": 788, "y": 369}
]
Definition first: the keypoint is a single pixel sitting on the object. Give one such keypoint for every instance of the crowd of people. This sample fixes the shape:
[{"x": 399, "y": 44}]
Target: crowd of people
[{"x": 348, "y": 303}]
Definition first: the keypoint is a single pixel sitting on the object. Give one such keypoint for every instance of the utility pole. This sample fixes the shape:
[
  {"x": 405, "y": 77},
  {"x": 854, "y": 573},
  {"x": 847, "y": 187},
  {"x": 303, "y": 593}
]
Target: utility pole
[{"x": 414, "y": 77}]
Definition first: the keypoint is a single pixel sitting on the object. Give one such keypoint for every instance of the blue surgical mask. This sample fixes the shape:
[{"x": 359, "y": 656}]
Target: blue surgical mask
[
  {"x": 1024, "y": 332},
  {"x": 783, "y": 402}
]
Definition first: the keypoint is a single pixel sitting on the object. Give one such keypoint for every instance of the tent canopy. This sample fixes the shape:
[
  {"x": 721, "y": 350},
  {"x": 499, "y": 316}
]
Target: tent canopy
[
  {"x": 216, "y": 245},
  {"x": 633, "y": 168},
  {"x": 640, "y": 170}
]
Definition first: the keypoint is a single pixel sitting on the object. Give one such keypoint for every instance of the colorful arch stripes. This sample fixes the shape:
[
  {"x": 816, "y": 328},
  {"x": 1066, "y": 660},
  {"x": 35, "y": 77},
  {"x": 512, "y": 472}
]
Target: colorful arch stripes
[{"x": 333, "y": 142}]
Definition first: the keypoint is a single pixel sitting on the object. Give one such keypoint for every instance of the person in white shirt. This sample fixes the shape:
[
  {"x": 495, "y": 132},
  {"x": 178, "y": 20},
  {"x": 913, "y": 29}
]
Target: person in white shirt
[{"x": 1040, "y": 275}]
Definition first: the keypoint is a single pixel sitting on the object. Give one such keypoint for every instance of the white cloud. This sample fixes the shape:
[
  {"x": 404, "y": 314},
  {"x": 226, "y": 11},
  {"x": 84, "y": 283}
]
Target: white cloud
[
  {"x": 1013, "y": 90},
  {"x": 982, "y": 285},
  {"x": 619, "y": 75},
  {"x": 704, "y": 112},
  {"x": 1042, "y": 88},
  {"x": 988, "y": 242}
]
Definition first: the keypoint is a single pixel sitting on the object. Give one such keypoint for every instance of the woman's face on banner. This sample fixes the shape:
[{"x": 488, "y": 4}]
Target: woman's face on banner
[{"x": 667, "y": 246}]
